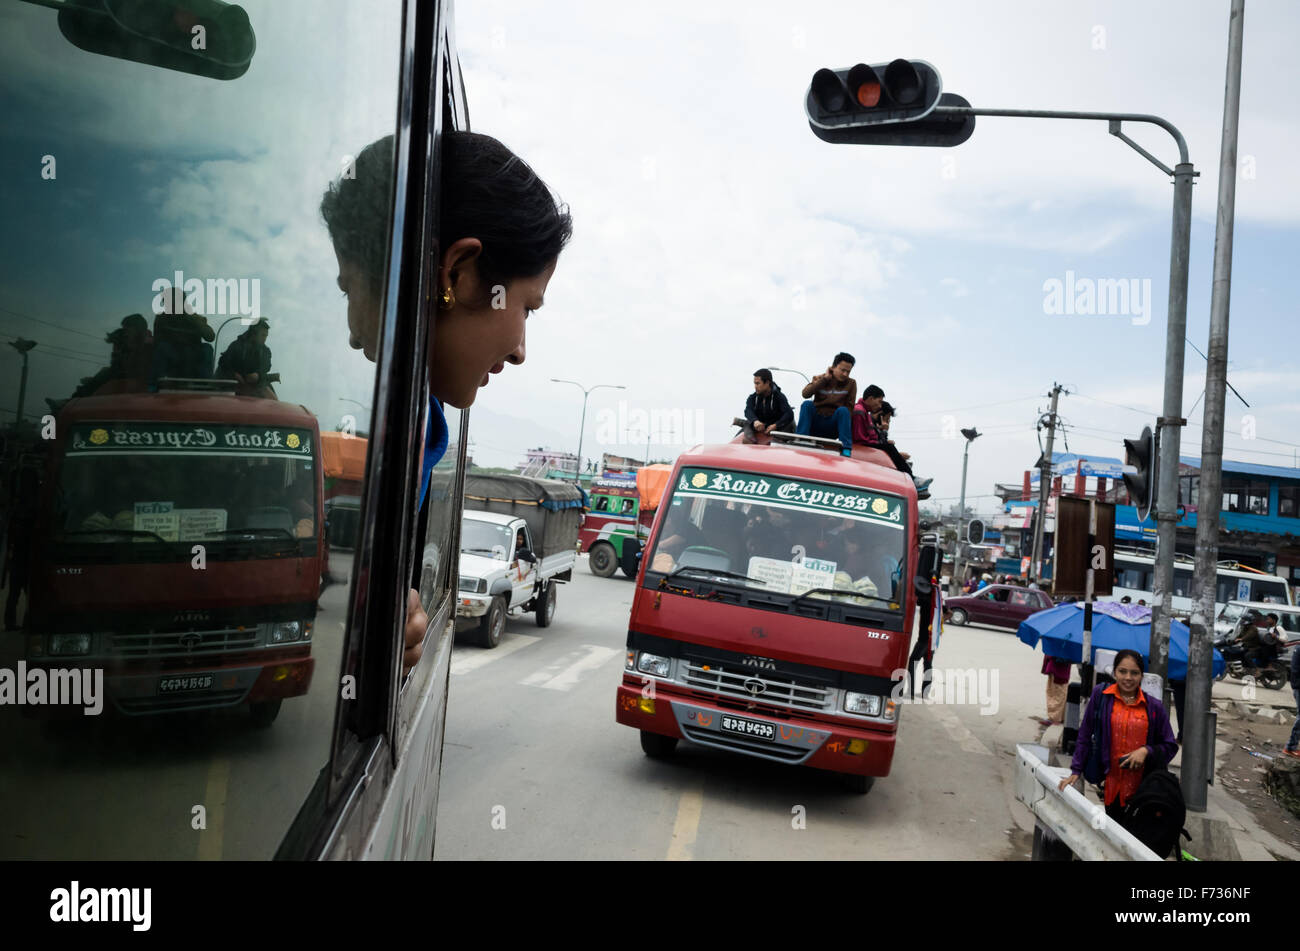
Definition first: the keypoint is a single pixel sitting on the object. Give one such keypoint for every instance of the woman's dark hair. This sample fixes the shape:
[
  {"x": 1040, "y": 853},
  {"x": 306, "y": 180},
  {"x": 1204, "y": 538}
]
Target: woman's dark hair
[
  {"x": 488, "y": 193},
  {"x": 887, "y": 409},
  {"x": 1137, "y": 659}
]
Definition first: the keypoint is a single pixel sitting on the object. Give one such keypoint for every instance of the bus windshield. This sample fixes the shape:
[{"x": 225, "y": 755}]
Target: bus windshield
[
  {"x": 155, "y": 491},
  {"x": 788, "y": 536}
]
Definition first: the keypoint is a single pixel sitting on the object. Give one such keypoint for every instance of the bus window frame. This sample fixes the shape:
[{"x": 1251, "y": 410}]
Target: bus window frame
[{"x": 343, "y": 810}]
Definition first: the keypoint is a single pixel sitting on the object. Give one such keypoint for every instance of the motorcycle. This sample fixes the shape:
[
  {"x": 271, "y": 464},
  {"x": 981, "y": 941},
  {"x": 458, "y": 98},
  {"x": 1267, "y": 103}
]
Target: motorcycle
[{"x": 1273, "y": 675}]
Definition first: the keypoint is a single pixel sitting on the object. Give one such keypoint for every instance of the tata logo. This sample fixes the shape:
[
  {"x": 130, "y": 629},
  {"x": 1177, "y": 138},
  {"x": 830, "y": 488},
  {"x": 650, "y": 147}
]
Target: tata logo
[
  {"x": 755, "y": 686},
  {"x": 762, "y": 663},
  {"x": 190, "y": 641}
]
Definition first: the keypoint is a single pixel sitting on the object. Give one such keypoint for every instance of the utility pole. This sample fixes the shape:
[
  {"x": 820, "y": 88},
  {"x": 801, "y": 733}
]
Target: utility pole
[
  {"x": 22, "y": 346},
  {"x": 1196, "y": 732},
  {"x": 959, "y": 562},
  {"x": 1044, "y": 489}
]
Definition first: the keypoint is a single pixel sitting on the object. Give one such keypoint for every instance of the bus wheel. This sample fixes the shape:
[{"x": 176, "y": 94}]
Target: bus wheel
[
  {"x": 546, "y": 608},
  {"x": 264, "y": 712},
  {"x": 858, "y": 784},
  {"x": 959, "y": 616},
  {"x": 601, "y": 559},
  {"x": 493, "y": 624},
  {"x": 656, "y": 745}
]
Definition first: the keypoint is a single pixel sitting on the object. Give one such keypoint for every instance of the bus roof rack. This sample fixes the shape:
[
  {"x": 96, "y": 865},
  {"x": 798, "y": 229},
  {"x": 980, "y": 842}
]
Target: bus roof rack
[
  {"x": 808, "y": 442},
  {"x": 193, "y": 385}
]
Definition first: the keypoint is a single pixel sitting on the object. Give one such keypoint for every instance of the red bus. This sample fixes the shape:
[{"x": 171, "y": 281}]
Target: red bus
[
  {"x": 775, "y": 606},
  {"x": 180, "y": 545}
]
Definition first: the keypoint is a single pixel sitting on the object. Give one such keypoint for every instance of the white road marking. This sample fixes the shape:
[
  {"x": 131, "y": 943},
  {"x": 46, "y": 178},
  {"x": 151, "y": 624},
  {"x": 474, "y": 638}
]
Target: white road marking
[
  {"x": 466, "y": 659},
  {"x": 687, "y": 825},
  {"x": 959, "y": 733},
  {"x": 566, "y": 672}
]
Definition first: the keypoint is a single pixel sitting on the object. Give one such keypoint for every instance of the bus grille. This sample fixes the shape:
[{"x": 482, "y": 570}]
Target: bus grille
[
  {"x": 176, "y": 703},
  {"x": 182, "y": 643},
  {"x": 778, "y": 693},
  {"x": 776, "y": 751}
]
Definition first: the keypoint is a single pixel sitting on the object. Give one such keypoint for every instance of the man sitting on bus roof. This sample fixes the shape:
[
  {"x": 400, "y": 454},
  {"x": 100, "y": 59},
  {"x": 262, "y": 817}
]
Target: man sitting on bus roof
[
  {"x": 866, "y": 432},
  {"x": 767, "y": 409},
  {"x": 828, "y": 403}
]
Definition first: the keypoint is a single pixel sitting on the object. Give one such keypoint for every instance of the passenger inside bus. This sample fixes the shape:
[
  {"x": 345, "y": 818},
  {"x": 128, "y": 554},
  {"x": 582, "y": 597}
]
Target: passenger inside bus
[{"x": 501, "y": 232}]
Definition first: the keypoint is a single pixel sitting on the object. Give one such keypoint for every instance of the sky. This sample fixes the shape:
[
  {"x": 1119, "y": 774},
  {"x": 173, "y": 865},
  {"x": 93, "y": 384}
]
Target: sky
[{"x": 713, "y": 233}]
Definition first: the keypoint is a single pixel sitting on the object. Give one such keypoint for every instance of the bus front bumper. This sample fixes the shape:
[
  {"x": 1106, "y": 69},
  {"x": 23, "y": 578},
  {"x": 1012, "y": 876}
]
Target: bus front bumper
[{"x": 798, "y": 741}]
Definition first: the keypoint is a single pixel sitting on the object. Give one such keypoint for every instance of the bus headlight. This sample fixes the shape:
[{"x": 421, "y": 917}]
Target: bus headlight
[
  {"x": 863, "y": 704},
  {"x": 286, "y": 631},
  {"x": 653, "y": 664},
  {"x": 65, "y": 645}
]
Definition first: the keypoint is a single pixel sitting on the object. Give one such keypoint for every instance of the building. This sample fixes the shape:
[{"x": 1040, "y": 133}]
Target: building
[{"x": 1259, "y": 517}]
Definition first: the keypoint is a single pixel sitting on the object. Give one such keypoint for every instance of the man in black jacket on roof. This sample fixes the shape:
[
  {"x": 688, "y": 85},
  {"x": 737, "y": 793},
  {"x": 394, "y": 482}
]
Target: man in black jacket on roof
[{"x": 767, "y": 409}]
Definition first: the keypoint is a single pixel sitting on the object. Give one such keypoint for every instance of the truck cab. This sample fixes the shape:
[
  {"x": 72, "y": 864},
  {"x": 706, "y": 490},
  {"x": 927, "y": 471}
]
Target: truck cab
[{"x": 775, "y": 607}]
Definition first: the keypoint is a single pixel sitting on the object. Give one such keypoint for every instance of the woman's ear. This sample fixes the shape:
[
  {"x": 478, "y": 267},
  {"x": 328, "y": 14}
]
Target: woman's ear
[{"x": 459, "y": 269}]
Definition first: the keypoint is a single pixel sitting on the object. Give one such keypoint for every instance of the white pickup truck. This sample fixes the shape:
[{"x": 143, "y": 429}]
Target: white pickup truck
[{"x": 513, "y": 563}]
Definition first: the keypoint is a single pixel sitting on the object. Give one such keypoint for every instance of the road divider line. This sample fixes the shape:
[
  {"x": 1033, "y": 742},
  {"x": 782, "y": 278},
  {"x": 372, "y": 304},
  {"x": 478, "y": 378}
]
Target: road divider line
[
  {"x": 211, "y": 839},
  {"x": 686, "y": 826},
  {"x": 960, "y": 734},
  {"x": 465, "y": 660},
  {"x": 565, "y": 673}
]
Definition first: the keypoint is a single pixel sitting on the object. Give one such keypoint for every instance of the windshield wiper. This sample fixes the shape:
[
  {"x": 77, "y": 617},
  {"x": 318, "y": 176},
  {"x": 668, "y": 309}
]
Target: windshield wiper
[
  {"x": 251, "y": 531},
  {"x": 129, "y": 532},
  {"x": 720, "y": 572},
  {"x": 475, "y": 551},
  {"x": 836, "y": 591}
]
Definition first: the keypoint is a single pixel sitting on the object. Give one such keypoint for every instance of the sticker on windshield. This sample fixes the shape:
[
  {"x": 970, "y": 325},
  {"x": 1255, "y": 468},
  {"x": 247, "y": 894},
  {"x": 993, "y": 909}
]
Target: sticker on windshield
[
  {"x": 787, "y": 577},
  {"x": 158, "y": 518},
  {"x": 791, "y": 493}
]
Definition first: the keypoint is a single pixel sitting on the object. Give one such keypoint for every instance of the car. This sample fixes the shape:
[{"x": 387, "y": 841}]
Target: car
[{"x": 1003, "y": 605}]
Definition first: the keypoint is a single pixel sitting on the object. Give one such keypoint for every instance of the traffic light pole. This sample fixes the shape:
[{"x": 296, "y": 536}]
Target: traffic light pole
[
  {"x": 1170, "y": 423},
  {"x": 1197, "y": 739},
  {"x": 1044, "y": 492}
]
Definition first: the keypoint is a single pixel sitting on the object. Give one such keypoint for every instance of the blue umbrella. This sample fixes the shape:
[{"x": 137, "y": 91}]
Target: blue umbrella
[{"x": 1114, "y": 627}]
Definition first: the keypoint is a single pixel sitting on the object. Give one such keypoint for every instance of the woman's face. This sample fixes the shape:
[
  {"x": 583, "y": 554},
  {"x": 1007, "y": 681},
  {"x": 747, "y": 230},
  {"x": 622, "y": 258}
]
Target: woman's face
[
  {"x": 483, "y": 330},
  {"x": 363, "y": 308},
  {"x": 1128, "y": 675}
]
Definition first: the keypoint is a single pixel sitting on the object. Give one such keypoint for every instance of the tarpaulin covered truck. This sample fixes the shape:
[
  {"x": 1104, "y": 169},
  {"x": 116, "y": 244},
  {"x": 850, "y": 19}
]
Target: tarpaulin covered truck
[{"x": 518, "y": 541}]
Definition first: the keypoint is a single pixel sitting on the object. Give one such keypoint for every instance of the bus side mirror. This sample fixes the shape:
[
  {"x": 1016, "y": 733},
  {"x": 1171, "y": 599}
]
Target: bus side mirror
[
  {"x": 927, "y": 561},
  {"x": 922, "y": 584}
]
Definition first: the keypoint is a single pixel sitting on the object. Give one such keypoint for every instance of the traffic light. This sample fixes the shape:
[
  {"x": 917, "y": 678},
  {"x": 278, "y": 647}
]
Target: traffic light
[
  {"x": 1141, "y": 454},
  {"x": 885, "y": 104},
  {"x": 975, "y": 531}
]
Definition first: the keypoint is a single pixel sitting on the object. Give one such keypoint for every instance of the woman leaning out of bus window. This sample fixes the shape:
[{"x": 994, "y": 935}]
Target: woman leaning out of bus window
[
  {"x": 501, "y": 232},
  {"x": 1132, "y": 730}
]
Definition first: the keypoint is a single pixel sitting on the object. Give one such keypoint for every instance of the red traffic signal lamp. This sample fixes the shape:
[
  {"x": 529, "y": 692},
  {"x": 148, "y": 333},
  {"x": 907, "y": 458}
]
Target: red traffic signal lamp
[
  {"x": 1141, "y": 454},
  {"x": 885, "y": 104}
]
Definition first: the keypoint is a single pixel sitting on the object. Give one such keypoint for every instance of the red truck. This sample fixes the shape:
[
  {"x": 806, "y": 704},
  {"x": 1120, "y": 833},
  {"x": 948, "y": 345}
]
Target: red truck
[
  {"x": 209, "y": 501},
  {"x": 775, "y": 607}
]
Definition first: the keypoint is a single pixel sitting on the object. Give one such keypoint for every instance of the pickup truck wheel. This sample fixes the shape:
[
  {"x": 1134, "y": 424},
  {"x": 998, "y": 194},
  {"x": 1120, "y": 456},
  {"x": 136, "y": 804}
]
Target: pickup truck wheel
[
  {"x": 493, "y": 624},
  {"x": 546, "y": 607},
  {"x": 656, "y": 745},
  {"x": 601, "y": 559},
  {"x": 959, "y": 617},
  {"x": 264, "y": 712},
  {"x": 858, "y": 784}
]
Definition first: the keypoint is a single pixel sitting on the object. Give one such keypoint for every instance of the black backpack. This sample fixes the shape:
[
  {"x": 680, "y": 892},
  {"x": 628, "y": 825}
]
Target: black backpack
[{"x": 1155, "y": 813}]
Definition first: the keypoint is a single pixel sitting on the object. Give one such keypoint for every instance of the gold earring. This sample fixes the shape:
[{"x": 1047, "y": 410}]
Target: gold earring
[{"x": 448, "y": 299}]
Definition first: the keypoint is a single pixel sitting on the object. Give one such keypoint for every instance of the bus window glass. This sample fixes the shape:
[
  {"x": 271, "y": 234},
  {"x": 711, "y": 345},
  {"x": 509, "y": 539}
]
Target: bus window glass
[
  {"x": 441, "y": 509},
  {"x": 193, "y": 416},
  {"x": 1182, "y": 582}
]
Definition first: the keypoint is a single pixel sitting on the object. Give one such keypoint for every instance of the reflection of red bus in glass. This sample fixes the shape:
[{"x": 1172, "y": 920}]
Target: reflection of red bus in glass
[
  {"x": 774, "y": 605},
  {"x": 210, "y": 502}
]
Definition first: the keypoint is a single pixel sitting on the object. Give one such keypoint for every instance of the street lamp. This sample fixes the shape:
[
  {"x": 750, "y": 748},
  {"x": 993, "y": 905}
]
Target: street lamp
[
  {"x": 648, "y": 436},
  {"x": 784, "y": 370},
  {"x": 957, "y": 563},
  {"x": 586, "y": 392},
  {"x": 22, "y": 346}
]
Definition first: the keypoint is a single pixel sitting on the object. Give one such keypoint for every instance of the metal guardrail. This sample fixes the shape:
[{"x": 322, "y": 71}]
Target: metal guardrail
[{"x": 1081, "y": 826}]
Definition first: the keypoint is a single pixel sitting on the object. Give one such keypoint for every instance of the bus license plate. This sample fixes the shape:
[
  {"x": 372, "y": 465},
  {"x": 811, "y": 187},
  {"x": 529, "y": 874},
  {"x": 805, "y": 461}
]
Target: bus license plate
[
  {"x": 185, "y": 684},
  {"x": 753, "y": 728}
]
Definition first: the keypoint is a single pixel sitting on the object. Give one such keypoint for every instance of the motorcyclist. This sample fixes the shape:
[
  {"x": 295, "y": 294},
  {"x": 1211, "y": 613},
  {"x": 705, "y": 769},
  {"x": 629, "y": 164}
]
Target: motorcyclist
[{"x": 1258, "y": 641}]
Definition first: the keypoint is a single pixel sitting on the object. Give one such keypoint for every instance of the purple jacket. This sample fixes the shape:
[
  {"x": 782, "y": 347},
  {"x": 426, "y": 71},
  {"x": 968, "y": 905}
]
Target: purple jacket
[{"x": 1160, "y": 736}]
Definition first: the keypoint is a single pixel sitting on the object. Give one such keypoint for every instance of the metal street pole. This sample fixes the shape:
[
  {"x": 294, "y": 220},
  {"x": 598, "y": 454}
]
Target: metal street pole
[
  {"x": 22, "y": 346},
  {"x": 958, "y": 562},
  {"x": 1044, "y": 490},
  {"x": 586, "y": 392},
  {"x": 1197, "y": 739},
  {"x": 785, "y": 370}
]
